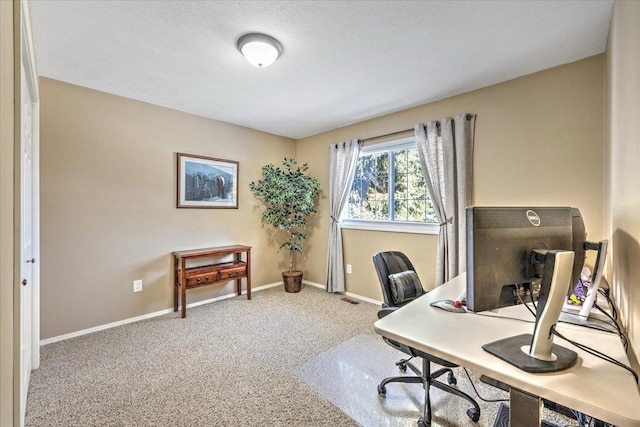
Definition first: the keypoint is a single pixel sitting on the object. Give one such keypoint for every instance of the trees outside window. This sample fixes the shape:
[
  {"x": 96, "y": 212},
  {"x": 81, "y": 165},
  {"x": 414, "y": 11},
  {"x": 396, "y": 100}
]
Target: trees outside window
[{"x": 389, "y": 186}]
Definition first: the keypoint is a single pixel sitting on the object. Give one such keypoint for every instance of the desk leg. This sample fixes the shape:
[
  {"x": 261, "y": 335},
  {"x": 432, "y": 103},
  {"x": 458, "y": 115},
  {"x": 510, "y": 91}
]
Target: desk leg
[{"x": 525, "y": 410}]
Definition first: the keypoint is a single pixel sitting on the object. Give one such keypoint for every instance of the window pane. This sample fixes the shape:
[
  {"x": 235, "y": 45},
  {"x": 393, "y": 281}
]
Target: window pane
[
  {"x": 376, "y": 164},
  {"x": 356, "y": 196},
  {"x": 370, "y": 186},
  {"x": 416, "y": 185},
  {"x": 382, "y": 210},
  {"x": 381, "y": 185},
  {"x": 401, "y": 161},
  {"x": 401, "y": 210},
  {"x": 416, "y": 210},
  {"x": 414, "y": 159},
  {"x": 401, "y": 186},
  {"x": 369, "y": 198},
  {"x": 368, "y": 205}
]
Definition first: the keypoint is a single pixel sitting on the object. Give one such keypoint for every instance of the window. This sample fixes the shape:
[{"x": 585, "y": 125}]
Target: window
[{"x": 389, "y": 191}]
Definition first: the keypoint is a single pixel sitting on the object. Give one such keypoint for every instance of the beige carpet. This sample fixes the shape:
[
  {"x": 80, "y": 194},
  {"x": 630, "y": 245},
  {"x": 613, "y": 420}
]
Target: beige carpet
[{"x": 230, "y": 363}]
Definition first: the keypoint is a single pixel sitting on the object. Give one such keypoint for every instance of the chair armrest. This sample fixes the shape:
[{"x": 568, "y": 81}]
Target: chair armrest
[{"x": 386, "y": 311}]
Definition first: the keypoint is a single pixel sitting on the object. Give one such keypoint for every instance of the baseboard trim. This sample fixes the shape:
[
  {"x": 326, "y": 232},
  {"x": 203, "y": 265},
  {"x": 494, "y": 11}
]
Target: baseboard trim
[
  {"x": 314, "y": 284},
  {"x": 147, "y": 316},
  {"x": 349, "y": 294},
  {"x": 365, "y": 299}
]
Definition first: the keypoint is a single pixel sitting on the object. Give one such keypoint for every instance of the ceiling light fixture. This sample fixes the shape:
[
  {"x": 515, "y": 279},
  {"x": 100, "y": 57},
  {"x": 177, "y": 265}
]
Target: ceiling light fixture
[{"x": 259, "y": 49}]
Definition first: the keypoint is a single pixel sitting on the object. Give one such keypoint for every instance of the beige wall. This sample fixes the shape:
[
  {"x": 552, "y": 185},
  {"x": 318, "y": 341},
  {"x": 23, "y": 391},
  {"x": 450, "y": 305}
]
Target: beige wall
[
  {"x": 107, "y": 220},
  {"x": 538, "y": 141},
  {"x": 7, "y": 280},
  {"x": 622, "y": 140},
  {"x": 108, "y": 203}
]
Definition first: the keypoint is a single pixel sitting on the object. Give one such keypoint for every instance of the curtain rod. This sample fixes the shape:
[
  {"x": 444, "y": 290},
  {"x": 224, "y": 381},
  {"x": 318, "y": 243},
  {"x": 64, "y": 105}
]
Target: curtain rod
[{"x": 386, "y": 135}]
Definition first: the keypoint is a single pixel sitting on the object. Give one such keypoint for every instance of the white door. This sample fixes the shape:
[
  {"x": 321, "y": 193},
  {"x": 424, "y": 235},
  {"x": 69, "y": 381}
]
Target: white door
[
  {"x": 29, "y": 251},
  {"x": 27, "y": 254}
]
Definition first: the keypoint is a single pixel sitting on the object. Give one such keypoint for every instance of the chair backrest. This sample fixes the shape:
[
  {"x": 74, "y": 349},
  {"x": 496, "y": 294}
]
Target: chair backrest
[{"x": 386, "y": 263}]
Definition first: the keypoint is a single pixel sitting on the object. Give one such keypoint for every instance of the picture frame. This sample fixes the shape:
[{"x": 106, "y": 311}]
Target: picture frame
[{"x": 207, "y": 182}]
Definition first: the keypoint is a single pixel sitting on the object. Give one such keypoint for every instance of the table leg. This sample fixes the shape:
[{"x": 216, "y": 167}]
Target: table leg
[
  {"x": 176, "y": 283},
  {"x": 183, "y": 291},
  {"x": 525, "y": 409},
  {"x": 236, "y": 257},
  {"x": 183, "y": 288},
  {"x": 249, "y": 274},
  {"x": 175, "y": 296}
]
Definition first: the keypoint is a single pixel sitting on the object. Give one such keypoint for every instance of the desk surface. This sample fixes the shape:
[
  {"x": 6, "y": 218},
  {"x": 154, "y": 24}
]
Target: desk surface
[{"x": 593, "y": 386}]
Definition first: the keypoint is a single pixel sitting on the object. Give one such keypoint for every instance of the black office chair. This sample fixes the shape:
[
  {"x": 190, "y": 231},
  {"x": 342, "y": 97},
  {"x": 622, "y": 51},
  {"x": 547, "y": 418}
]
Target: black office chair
[{"x": 401, "y": 285}]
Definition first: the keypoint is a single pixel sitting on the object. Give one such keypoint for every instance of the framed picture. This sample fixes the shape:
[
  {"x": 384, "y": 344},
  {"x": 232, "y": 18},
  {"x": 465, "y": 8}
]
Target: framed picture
[{"x": 205, "y": 182}]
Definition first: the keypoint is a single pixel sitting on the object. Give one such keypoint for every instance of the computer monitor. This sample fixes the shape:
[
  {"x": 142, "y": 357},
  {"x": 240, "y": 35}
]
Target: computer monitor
[
  {"x": 510, "y": 251},
  {"x": 501, "y": 263}
]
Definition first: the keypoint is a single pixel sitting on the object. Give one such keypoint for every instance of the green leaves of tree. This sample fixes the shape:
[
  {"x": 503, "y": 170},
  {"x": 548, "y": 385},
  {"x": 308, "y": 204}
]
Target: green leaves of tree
[{"x": 289, "y": 195}]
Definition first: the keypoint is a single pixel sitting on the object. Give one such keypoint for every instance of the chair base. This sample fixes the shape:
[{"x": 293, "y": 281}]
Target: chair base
[{"x": 428, "y": 379}]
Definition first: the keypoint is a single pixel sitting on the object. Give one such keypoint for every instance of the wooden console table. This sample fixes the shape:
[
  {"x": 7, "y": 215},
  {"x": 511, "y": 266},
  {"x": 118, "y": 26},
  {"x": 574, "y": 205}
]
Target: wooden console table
[{"x": 193, "y": 277}]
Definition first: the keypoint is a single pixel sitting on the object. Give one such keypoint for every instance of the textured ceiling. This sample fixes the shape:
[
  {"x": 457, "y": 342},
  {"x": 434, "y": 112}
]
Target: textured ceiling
[{"x": 343, "y": 61}]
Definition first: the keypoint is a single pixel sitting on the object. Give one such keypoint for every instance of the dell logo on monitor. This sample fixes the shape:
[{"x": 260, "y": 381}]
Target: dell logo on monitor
[{"x": 533, "y": 218}]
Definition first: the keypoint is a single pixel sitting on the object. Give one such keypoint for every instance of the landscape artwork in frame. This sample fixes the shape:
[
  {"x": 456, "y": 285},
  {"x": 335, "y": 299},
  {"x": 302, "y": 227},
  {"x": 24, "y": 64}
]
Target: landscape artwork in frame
[{"x": 205, "y": 182}]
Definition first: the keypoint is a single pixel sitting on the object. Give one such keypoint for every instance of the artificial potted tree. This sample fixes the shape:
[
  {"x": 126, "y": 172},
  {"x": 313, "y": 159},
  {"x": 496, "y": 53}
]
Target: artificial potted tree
[{"x": 289, "y": 196}]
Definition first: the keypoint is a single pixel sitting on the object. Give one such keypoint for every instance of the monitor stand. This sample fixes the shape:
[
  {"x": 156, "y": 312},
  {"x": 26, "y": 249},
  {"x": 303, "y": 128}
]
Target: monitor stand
[
  {"x": 537, "y": 353},
  {"x": 595, "y": 320},
  {"x": 586, "y": 314},
  {"x": 596, "y": 277}
]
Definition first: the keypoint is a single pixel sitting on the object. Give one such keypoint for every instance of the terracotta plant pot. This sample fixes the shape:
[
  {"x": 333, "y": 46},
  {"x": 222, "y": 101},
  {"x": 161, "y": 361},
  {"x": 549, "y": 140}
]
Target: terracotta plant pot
[{"x": 292, "y": 281}]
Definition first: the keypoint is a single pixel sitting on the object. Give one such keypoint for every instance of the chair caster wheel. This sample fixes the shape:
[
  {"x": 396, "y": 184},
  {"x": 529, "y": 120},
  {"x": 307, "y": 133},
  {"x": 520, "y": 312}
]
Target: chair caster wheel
[
  {"x": 452, "y": 379},
  {"x": 422, "y": 422},
  {"x": 402, "y": 367},
  {"x": 382, "y": 390},
  {"x": 473, "y": 414}
]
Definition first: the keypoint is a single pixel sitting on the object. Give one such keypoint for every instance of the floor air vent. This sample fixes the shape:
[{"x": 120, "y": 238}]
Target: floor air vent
[{"x": 350, "y": 300}]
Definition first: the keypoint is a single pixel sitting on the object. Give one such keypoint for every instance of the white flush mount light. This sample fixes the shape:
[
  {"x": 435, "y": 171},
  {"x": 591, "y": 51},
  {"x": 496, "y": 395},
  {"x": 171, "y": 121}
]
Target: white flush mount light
[{"x": 259, "y": 49}]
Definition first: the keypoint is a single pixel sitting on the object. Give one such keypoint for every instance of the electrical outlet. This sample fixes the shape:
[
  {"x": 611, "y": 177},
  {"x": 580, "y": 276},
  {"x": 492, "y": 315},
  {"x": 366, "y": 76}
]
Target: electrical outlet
[
  {"x": 348, "y": 268},
  {"x": 137, "y": 286}
]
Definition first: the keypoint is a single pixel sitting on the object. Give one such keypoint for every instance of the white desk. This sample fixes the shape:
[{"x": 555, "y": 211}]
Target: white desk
[{"x": 592, "y": 386}]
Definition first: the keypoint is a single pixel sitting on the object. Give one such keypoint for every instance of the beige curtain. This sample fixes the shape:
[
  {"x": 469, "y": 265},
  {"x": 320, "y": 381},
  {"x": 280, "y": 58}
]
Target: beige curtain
[
  {"x": 445, "y": 148},
  {"x": 343, "y": 161}
]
